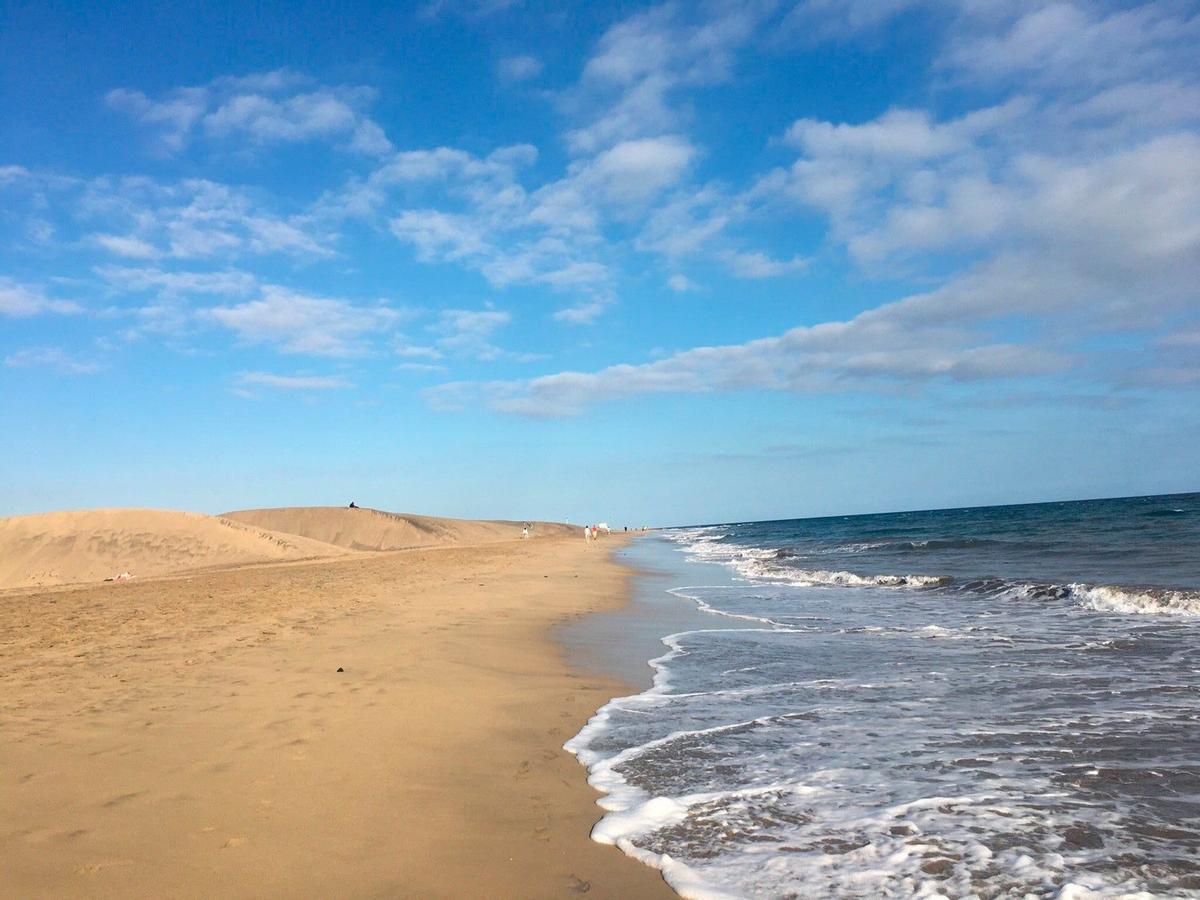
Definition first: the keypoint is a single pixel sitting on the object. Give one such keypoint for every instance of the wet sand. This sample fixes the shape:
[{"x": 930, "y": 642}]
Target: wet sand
[{"x": 189, "y": 737}]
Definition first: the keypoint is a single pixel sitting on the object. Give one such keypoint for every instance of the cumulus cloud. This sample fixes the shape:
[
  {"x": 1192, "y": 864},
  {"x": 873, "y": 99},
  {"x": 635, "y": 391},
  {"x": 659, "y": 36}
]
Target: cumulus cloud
[
  {"x": 299, "y": 323},
  {"x": 584, "y": 313},
  {"x": 628, "y": 86},
  {"x": 142, "y": 218},
  {"x": 755, "y": 264},
  {"x": 489, "y": 222},
  {"x": 264, "y": 108},
  {"x": 22, "y": 300},
  {"x": 486, "y": 221},
  {"x": 126, "y": 245},
  {"x": 1072, "y": 44}
]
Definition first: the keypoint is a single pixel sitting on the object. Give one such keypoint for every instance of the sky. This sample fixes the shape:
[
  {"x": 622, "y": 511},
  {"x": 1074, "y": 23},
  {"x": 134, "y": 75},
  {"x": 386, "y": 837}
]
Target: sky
[{"x": 641, "y": 263}]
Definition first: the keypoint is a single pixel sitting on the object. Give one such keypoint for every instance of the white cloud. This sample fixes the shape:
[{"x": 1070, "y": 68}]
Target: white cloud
[
  {"x": 174, "y": 118},
  {"x": 440, "y": 236},
  {"x": 265, "y": 108},
  {"x": 126, "y": 245},
  {"x": 628, "y": 84},
  {"x": 638, "y": 170},
  {"x": 193, "y": 218},
  {"x": 871, "y": 352},
  {"x": 584, "y": 313},
  {"x": 471, "y": 9},
  {"x": 816, "y": 20},
  {"x": 22, "y": 300},
  {"x": 513, "y": 69},
  {"x": 468, "y": 332},
  {"x": 294, "y": 382},
  {"x": 417, "y": 351},
  {"x": 1104, "y": 243},
  {"x": 687, "y": 221},
  {"x": 299, "y": 323},
  {"x": 178, "y": 283},
  {"x": 1068, "y": 44},
  {"x": 902, "y": 134},
  {"x": 489, "y": 223},
  {"x": 755, "y": 264},
  {"x": 53, "y": 357},
  {"x": 680, "y": 283}
]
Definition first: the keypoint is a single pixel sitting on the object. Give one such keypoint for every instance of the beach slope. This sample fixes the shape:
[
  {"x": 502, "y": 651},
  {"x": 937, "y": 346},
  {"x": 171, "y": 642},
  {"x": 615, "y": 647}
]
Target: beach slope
[{"x": 379, "y": 725}]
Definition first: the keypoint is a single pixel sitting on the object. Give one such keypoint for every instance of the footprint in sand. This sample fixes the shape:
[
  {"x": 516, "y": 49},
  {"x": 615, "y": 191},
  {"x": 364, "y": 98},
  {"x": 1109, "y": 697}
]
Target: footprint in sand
[
  {"x": 233, "y": 842},
  {"x": 94, "y": 868},
  {"x": 120, "y": 798}
]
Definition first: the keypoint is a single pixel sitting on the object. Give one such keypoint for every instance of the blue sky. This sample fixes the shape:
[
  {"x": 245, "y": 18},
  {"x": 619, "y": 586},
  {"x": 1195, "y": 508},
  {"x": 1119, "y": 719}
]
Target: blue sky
[{"x": 657, "y": 263}]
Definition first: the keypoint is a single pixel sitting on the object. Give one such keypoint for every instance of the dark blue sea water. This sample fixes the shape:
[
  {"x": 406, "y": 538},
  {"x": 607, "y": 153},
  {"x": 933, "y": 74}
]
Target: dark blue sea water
[{"x": 993, "y": 702}]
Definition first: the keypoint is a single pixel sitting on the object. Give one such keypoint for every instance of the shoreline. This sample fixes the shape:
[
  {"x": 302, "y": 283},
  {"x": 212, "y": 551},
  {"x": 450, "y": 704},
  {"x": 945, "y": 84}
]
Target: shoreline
[{"x": 191, "y": 736}]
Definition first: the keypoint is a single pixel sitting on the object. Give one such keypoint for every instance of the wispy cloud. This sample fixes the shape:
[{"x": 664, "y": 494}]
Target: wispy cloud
[
  {"x": 52, "y": 357},
  {"x": 514, "y": 69},
  {"x": 294, "y": 382},
  {"x": 226, "y": 281},
  {"x": 868, "y": 353},
  {"x": 470, "y": 9}
]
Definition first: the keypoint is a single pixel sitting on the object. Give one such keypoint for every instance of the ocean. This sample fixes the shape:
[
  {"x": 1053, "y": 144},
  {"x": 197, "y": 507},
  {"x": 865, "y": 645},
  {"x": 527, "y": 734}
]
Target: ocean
[{"x": 988, "y": 702}]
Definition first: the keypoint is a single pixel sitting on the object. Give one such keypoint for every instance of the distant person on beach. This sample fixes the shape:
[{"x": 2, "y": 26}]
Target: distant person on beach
[
  {"x": 587, "y": 533},
  {"x": 525, "y": 533}
]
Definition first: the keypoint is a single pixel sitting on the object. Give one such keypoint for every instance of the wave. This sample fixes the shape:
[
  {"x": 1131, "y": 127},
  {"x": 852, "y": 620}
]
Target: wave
[
  {"x": 776, "y": 565},
  {"x": 821, "y": 577},
  {"x": 918, "y": 545},
  {"x": 1100, "y": 598},
  {"x": 1146, "y": 601}
]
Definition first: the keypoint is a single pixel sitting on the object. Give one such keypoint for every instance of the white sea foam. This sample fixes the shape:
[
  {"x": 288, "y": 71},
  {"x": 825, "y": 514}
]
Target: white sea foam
[
  {"x": 764, "y": 565},
  {"x": 1143, "y": 601},
  {"x": 869, "y": 753},
  {"x": 844, "y": 579}
]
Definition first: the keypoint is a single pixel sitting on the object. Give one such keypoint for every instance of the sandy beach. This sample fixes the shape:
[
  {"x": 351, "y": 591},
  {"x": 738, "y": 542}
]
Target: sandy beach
[{"x": 192, "y": 735}]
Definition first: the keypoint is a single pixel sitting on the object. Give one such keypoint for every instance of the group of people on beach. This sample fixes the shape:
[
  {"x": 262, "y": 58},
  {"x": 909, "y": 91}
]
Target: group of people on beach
[{"x": 591, "y": 533}]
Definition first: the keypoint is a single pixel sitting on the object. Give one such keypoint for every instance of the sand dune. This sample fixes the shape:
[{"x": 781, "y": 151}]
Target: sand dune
[
  {"x": 373, "y": 529},
  {"x": 91, "y": 545}
]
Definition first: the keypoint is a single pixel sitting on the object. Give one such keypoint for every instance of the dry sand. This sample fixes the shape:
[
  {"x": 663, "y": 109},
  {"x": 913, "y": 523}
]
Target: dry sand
[
  {"x": 373, "y": 529},
  {"x": 192, "y": 737},
  {"x": 91, "y": 545}
]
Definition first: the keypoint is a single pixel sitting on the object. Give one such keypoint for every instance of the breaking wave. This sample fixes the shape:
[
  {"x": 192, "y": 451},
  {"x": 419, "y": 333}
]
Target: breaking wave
[{"x": 779, "y": 565}]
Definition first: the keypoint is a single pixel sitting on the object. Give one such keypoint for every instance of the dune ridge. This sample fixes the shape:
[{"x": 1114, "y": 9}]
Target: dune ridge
[
  {"x": 367, "y": 529},
  {"x": 75, "y": 546},
  {"x": 58, "y": 548}
]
